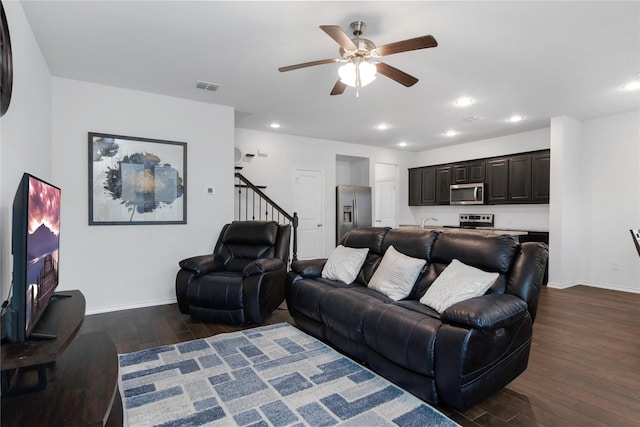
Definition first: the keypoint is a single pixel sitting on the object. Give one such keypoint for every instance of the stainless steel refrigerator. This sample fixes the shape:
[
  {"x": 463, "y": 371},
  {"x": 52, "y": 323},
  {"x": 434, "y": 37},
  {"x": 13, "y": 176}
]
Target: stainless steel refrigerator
[{"x": 353, "y": 205}]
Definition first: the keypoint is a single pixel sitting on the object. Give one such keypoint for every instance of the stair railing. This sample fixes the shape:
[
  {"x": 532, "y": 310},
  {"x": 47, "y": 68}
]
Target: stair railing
[{"x": 258, "y": 207}]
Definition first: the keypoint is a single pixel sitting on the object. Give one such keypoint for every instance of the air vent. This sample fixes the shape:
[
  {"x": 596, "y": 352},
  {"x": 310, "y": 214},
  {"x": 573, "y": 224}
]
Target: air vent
[
  {"x": 207, "y": 85},
  {"x": 473, "y": 118}
]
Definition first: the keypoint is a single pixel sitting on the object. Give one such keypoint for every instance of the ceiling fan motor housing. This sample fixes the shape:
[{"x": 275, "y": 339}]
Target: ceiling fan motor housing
[{"x": 364, "y": 49}]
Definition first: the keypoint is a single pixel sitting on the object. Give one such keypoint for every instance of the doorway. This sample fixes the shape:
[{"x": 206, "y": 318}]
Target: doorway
[
  {"x": 309, "y": 204},
  {"x": 386, "y": 195}
]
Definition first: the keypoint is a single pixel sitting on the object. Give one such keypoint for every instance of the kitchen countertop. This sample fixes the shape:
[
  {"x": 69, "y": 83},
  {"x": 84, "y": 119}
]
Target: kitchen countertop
[{"x": 481, "y": 230}]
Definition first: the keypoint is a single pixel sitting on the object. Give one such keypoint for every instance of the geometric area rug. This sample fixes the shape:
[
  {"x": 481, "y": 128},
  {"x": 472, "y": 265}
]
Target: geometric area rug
[{"x": 273, "y": 375}]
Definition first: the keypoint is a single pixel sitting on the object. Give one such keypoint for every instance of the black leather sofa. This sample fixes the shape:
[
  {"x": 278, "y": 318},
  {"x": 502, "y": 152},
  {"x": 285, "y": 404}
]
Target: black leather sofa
[
  {"x": 242, "y": 281},
  {"x": 457, "y": 357}
]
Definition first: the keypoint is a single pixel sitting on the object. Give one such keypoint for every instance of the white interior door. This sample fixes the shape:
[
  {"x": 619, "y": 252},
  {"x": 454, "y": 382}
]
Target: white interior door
[
  {"x": 308, "y": 203},
  {"x": 386, "y": 209}
]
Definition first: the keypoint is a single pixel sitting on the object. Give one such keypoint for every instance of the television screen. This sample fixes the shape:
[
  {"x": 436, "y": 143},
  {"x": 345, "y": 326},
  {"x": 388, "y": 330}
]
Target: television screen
[{"x": 35, "y": 248}]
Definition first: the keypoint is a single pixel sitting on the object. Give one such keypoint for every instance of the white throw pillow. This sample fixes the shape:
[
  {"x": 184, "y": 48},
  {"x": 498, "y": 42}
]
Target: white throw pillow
[
  {"x": 344, "y": 264},
  {"x": 396, "y": 274},
  {"x": 458, "y": 282}
]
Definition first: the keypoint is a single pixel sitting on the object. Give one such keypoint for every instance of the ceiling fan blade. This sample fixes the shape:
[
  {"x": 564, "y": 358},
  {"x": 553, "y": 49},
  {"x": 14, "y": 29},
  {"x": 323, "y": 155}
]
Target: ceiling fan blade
[
  {"x": 338, "y": 88},
  {"x": 395, "y": 74},
  {"x": 339, "y": 36},
  {"x": 407, "y": 45},
  {"x": 308, "y": 64}
]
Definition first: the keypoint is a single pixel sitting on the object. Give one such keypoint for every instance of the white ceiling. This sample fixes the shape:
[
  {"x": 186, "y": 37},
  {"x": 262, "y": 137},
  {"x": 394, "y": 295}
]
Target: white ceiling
[{"x": 538, "y": 59}]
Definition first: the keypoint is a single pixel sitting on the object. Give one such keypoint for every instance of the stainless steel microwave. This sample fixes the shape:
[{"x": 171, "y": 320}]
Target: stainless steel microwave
[{"x": 467, "y": 194}]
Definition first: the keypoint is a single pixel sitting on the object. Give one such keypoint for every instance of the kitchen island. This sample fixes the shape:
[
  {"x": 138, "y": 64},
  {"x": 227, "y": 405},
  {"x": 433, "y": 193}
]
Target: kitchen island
[{"x": 477, "y": 230}]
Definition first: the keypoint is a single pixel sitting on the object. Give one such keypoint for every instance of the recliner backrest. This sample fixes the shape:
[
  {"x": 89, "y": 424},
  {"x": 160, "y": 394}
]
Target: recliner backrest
[
  {"x": 493, "y": 253},
  {"x": 371, "y": 238},
  {"x": 242, "y": 242}
]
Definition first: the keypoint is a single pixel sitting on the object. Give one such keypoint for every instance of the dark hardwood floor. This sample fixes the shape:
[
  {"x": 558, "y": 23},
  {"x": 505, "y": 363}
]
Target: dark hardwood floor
[{"x": 584, "y": 368}]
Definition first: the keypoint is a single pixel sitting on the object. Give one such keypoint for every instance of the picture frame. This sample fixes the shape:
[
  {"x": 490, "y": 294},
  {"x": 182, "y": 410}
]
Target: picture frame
[{"x": 136, "y": 181}]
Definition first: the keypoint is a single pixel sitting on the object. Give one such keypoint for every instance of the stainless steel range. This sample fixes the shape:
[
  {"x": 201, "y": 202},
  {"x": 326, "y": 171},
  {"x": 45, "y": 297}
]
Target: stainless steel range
[{"x": 476, "y": 220}]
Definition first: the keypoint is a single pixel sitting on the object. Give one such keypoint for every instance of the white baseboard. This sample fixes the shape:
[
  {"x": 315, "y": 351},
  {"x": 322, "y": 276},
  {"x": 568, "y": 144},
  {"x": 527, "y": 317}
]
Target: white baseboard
[
  {"x": 593, "y": 285},
  {"x": 131, "y": 306}
]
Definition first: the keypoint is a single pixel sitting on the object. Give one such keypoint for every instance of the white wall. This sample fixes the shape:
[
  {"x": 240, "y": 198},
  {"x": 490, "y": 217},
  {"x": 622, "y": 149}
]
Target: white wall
[
  {"x": 128, "y": 266},
  {"x": 565, "y": 199},
  {"x": 285, "y": 153},
  {"x": 519, "y": 217},
  {"x": 610, "y": 207},
  {"x": 25, "y": 130}
]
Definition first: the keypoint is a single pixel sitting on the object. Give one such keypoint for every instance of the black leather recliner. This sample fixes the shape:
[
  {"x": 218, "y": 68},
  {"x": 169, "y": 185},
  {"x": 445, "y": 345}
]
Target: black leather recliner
[{"x": 242, "y": 280}]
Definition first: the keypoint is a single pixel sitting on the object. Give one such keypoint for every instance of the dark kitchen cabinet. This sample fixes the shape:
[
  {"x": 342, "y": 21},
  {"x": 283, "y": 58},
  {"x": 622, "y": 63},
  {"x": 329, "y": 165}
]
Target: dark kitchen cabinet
[
  {"x": 422, "y": 186},
  {"x": 460, "y": 173},
  {"x": 468, "y": 172},
  {"x": 443, "y": 184},
  {"x": 497, "y": 184},
  {"x": 538, "y": 236},
  {"x": 520, "y": 179},
  {"x": 415, "y": 186},
  {"x": 477, "y": 171},
  {"x": 541, "y": 172},
  {"x": 512, "y": 179}
]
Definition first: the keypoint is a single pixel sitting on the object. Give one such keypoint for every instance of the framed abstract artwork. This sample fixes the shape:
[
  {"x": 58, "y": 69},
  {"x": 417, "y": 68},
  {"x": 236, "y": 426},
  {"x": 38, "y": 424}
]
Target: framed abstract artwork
[{"x": 136, "y": 181}]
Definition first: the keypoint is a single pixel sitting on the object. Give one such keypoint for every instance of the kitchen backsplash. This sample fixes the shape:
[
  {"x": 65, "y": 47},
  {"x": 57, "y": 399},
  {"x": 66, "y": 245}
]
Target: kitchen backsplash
[{"x": 508, "y": 217}]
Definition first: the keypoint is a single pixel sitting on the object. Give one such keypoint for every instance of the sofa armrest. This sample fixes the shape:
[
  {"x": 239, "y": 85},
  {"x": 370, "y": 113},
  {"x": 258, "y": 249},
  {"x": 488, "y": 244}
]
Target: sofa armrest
[
  {"x": 309, "y": 268},
  {"x": 487, "y": 312},
  {"x": 203, "y": 264},
  {"x": 262, "y": 265}
]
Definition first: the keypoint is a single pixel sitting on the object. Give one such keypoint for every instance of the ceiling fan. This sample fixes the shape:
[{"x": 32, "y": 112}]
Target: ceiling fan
[{"x": 360, "y": 56}]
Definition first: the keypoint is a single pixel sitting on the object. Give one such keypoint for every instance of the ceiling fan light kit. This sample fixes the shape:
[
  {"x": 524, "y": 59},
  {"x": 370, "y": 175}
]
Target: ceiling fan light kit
[
  {"x": 357, "y": 53},
  {"x": 357, "y": 75}
]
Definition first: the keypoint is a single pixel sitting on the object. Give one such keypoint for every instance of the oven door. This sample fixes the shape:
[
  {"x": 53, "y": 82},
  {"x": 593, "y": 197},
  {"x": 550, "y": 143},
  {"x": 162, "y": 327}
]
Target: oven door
[{"x": 467, "y": 194}]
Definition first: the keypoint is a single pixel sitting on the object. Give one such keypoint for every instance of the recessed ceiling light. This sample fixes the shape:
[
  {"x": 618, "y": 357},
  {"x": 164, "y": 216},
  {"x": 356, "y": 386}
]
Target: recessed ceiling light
[
  {"x": 515, "y": 118},
  {"x": 463, "y": 102},
  {"x": 402, "y": 144},
  {"x": 274, "y": 125},
  {"x": 450, "y": 133},
  {"x": 635, "y": 85},
  {"x": 382, "y": 126}
]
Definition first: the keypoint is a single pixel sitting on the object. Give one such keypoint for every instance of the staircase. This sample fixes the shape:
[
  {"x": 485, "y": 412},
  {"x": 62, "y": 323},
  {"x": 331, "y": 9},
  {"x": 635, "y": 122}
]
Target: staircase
[{"x": 255, "y": 205}]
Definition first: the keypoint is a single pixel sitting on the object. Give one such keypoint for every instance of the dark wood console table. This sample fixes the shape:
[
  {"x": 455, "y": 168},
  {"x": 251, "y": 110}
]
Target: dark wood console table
[{"x": 81, "y": 374}]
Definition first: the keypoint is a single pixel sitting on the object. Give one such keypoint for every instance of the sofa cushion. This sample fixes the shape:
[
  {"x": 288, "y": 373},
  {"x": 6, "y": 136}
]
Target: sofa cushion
[
  {"x": 344, "y": 264},
  {"x": 458, "y": 282},
  {"x": 407, "y": 338},
  {"x": 244, "y": 241},
  {"x": 484, "y": 251},
  {"x": 413, "y": 242},
  {"x": 343, "y": 310},
  {"x": 396, "y": 274},
  {"x": 367, "y": 237},
  {"x": 305, "y": 295}
]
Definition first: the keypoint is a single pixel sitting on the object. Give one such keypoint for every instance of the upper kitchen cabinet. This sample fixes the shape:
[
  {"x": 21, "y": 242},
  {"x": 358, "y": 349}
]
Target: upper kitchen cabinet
[
  {"x": 541, "y": 172},
  {"x": 443, "y": 184},
  {"x": 422, "y": 186},
  {"x": 497, "y": 188},
  {"x": 512, "y": 179},
  {"x": 477, "y": 171},
  {"x": 520, "y": 179},
  {"x": 468, "y": 172}
]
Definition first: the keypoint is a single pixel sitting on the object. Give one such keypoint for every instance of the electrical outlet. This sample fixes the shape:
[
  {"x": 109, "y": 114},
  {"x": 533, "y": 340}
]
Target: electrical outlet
[{"x": 209, "y": 191}]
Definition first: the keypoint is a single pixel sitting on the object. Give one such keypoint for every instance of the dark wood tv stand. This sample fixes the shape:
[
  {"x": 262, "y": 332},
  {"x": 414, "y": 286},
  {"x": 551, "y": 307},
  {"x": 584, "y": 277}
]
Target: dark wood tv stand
[{"x": 80, "y": 373}]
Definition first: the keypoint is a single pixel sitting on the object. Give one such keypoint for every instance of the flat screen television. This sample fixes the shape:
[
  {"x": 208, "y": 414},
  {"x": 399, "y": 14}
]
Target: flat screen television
[{"x": 35, "y": 244}]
